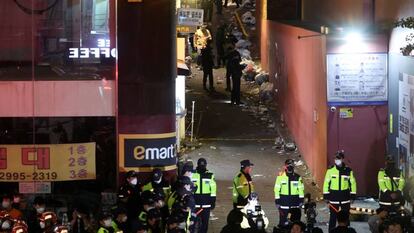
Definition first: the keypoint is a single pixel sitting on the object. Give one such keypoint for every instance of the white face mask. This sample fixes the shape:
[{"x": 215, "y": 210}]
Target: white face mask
[
  {"x": 124, "y": 218},
  {"x": 5, "y": 225},
  {"x": 5, "y": 204},
  {"x": 42, "y": 225},
  {"x": 107, "y": 222},
  {"x": 40, "y": 210},
  {"x": 338, "y": 162},
  {"x": 181, "y": 225},
  {"x": 134, "y": 181}
]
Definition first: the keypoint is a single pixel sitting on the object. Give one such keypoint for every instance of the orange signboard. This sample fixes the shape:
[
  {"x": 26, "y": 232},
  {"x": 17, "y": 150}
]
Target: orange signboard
[{"x": 49, "y": 162}]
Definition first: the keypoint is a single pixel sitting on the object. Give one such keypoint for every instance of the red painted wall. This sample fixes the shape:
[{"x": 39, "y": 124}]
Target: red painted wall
[
  {"x": 301, "y": 84},
  {"x": 363, "y": 138}
]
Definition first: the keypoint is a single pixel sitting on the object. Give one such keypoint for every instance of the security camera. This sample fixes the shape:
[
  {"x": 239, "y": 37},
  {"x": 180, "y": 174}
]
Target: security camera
[{"x": 333, "y": 108}]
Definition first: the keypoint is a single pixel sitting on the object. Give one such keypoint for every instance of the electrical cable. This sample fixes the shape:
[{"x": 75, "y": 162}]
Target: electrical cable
[{"x": 33, "y": 11}]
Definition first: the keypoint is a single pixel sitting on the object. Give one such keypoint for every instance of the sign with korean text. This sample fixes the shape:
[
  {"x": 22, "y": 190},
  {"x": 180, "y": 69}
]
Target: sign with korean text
[
  {"x": 190, "y": 16},
  {"x": 142, "y": 152},
  {"x": 49, "y": 162},
  {"x": 357, "y": 79}
]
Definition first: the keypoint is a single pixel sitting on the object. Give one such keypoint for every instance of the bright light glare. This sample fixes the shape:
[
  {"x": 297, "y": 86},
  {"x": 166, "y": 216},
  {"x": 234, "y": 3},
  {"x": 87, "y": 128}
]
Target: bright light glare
[{"x": 354, "y": 37}]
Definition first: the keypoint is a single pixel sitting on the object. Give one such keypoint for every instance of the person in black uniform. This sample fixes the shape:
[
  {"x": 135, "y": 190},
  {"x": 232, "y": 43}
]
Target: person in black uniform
[
  {"x": 129, "y": 194},
  {"x": 208, "y": 64},
  {"x": 234, "y": 69}
]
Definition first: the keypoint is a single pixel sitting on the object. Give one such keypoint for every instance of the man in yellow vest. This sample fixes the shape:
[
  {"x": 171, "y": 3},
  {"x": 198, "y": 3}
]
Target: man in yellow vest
[
  {"x": 391, "y": 183},
  {"x": 205, "y": 195},
  {"x": 289, "y": 193},
  {"x": 339, "y": 188},
  {"x": 243, "y": 184}
]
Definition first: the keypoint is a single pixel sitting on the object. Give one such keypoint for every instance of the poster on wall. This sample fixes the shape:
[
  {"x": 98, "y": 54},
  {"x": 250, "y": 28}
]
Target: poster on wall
[
  {"x": 357, "y": 79},
  {"x": 406, "y": 123}
]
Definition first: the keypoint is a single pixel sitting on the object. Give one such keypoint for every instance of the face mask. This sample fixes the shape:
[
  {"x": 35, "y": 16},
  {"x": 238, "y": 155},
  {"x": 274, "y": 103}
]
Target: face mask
[
  {"x": 134, "y": 181},
  {"x": 338, "y": 162},
  {"x": 181, "y": 225},
  {"x": 124, "y": 218},
  {"x": 16, "y": 199},
  {"x": 290, "y": 169},
  {"x": 108, "y": 222},
  {"x": 5, "y": 204},
  {"x": 40, "y": 210},
  {"x": 5, "y": 225},
  {"x": 42, "y": 225},
  {"x": 160, "y": 203}
]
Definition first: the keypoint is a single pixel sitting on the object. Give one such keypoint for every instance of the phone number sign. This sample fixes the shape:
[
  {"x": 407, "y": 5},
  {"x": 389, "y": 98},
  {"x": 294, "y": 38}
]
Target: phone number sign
[{"x": 55, "y": 162}]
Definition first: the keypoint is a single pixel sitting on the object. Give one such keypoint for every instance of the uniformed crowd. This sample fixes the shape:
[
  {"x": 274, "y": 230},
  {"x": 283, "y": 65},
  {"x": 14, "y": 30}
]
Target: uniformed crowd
[{"x": 185, "y": 205}]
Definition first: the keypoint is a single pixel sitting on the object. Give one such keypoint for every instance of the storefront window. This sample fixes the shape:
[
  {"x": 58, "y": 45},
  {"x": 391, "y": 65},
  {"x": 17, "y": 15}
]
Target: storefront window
[{"x": 57, "y": 93}]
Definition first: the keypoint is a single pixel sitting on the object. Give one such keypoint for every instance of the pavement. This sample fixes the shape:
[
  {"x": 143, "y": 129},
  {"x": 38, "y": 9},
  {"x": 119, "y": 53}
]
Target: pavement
[{"x": 225, "y": 134}]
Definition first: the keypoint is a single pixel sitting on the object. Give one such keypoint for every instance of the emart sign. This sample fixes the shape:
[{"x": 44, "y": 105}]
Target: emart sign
[{"x": 142, "y": 152}]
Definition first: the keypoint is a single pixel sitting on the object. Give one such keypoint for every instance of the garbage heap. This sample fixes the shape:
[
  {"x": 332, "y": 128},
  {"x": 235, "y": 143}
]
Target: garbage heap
[{"x": 257, "y": 79}]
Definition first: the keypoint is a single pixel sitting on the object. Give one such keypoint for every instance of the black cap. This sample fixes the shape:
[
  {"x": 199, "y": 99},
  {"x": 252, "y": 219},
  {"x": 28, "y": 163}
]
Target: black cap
[
  {"x": 289, "y": 162},
  {"x": 173, "y": 219},
  {"x": 130, "y": 174},
  {"x": 246, "y": 163},
  {"x": 154, "y": 213},
  {"x": 39, "y": 201},
  {"x": 137, "y": 225},
  {"x": 147, "y": 197},
  {"x": 104, "y": 215},
  {"x": 156, "y": 174},
  {"x": 201, "y": 162},
  {"x": 159, "y": 195},
  {"x": 340, "y": 154},
  {"x": 185, "y": 180},
  {"x": 188, "y": 167},
  {"x": 119, "y": 210}
]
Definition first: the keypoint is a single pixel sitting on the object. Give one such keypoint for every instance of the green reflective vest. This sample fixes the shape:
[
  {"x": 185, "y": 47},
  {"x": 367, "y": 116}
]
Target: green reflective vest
[
  {"x": 387, "y": 183},
  {"x": 286, "y": 187},
  {"x": 149, "y": 187},
  {"x": 339, "y": 181},
  {"x": 205, "y": 183},
  {"x": 242, "y": 187}
]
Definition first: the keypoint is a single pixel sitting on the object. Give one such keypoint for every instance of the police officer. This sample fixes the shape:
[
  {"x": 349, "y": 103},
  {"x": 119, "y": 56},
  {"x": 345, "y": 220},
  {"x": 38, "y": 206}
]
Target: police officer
[
  {"x": 205, "y": 195},
  {"x": 157, "y": 184},
  {"x": 243, "y": 184},
  {"x": 148, "y": 203},
  {"x": 339, "y": 188},
  {"x": 288, "y": 193},
  {"x": 129, "y": 194},
  {"x": 391, "y": 183}
]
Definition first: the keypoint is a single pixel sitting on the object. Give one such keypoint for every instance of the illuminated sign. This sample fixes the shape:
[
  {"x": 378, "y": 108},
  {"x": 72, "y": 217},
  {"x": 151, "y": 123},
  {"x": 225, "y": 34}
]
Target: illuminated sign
[
  {"x": 53, "y": 162},
  {"x": 144, "y": 151}
]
